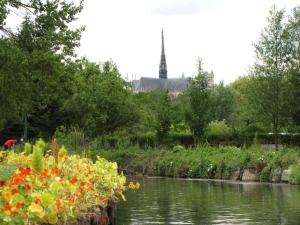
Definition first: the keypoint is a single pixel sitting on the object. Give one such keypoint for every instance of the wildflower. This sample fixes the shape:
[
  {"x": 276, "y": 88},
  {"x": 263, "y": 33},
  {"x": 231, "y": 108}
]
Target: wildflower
[
  {"x": 37, "y": 200},
  {"x": 6, "y": 195},
  {"x": 44, "y": 173},
  {"x": 71, "y": 201},
  {"x": 55, "y": 171},
  {"x": 73, "y": 180},
  {"x": 24, "y": 171},
  {"x": 2, "y": 183},
  {"x": 16, "y": 180},
  {"x": 19, "y": 205},
  {"x": 7, "y": 208},
  {"x": 27, "y": 187},
  {"x": 14, "y": 191}
]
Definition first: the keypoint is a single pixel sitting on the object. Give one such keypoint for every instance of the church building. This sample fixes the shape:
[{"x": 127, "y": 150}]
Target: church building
[{"x": 175, "y": 86}]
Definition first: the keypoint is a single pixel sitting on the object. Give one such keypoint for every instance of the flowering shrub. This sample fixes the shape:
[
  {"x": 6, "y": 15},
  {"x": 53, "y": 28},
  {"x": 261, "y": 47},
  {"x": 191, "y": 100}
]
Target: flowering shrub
[{"x": 56, "y": 188}]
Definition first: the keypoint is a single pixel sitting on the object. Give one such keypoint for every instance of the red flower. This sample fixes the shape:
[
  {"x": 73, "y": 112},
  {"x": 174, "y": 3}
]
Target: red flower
[
  {"x": 7, "y": 208},
  {"x": 55, "y": 171},
  {"x": 27, "y": 187},
  {"x": 24, "y": 171},
  {"x": 17, "y": 180},
  {"x": 14, "y": 191},
  {"x": 2, "y": 183},
  {"x": 73, "y": 180}
]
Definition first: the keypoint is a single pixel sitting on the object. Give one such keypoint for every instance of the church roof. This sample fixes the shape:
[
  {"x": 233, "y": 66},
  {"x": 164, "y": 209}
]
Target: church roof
[{"x": 171, "y": 84}]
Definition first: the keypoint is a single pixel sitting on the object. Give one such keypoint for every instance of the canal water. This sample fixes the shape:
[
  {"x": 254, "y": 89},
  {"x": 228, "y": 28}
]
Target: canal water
[{"x": 179, "y": 201}]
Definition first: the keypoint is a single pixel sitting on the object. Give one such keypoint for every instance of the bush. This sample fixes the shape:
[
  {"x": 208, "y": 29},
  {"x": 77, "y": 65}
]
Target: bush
[
  {"x": 294, "y": 177},
  {"x": 265, "y": 175},
  {"x": 218, "y": 129}
]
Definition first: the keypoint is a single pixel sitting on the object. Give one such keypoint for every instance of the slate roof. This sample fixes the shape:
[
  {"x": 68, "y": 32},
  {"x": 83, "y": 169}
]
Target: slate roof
[{"x": 171, "y": 84}]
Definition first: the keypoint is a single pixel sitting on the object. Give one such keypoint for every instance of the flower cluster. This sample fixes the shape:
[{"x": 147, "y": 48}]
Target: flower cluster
[{"x": 61, "y": 189}]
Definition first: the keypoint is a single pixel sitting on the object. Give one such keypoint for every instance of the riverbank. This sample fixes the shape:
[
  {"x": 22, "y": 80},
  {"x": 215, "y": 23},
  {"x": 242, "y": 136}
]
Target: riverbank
[{"x": 226, "y": 163}]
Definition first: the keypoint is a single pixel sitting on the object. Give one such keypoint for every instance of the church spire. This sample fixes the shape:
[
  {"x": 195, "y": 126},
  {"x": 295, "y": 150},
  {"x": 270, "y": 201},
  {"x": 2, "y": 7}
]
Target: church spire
[{"x": 162, "y": 65}]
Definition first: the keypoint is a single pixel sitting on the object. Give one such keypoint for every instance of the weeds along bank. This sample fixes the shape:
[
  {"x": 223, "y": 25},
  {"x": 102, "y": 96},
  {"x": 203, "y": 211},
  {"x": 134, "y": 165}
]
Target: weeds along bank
[{"x": 251, "y": 164}]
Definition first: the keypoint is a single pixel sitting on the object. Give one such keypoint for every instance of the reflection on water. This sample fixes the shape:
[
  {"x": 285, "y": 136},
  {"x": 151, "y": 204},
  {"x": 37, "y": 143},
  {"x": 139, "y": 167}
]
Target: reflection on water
[{"x": 173, "y": 201}]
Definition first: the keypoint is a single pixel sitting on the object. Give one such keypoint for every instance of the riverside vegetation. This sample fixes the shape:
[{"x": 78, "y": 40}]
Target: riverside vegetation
[{"x": 211, "y": 163}]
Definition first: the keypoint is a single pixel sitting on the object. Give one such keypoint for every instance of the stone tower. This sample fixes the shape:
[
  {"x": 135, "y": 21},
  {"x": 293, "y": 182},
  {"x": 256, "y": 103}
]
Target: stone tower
[{"x": 163, "y": 65}]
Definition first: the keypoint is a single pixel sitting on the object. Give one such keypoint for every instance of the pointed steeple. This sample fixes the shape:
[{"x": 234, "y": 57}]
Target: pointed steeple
[{"x": 163, "y": 65}]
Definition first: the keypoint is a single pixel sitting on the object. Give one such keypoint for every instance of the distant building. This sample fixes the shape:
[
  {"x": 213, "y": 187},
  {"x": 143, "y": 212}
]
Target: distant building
[{"x": 175, "y": 86}]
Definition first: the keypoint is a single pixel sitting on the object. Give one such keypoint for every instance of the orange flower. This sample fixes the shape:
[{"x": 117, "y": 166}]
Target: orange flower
[
  {"x": 97, "y": 196},
  {"x": 19, "y": 205},
  {"x": 71, "y": 201},
  {"x": 73, "y": 180},
  {"x": 58, "y": 205},
  {"x": 37, "y": 200},
  {"x": 44, "y": 173},
  {"x": 55, "y": 171},
  {"x": 24, "y": 171}
]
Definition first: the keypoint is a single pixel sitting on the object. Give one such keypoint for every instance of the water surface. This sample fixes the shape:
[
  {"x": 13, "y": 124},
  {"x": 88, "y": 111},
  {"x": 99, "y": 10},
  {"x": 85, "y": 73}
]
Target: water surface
[{"x": 178, "y": 201}]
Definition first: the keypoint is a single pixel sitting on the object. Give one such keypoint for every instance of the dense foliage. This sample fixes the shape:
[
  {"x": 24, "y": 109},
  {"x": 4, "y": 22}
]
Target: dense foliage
[
  {"x": 55, "y": 188},
  {"x": 46, "y": 90}
]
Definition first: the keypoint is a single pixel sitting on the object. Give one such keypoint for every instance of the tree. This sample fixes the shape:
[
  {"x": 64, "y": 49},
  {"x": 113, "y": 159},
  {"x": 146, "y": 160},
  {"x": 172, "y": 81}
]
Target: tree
[
  {"x": 101, "y": 102},
  {"x": 222, "y": 102},
  {"x": 45, "y": 46},
  {"x": 269, "y": 72},
  {"x": 293, "y": 99},
  {"x": 198, "y": 114}
]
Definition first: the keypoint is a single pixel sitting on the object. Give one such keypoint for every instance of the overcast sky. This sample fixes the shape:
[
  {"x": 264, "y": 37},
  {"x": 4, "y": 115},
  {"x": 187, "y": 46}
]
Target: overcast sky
[{"x": 221, "y": 32}]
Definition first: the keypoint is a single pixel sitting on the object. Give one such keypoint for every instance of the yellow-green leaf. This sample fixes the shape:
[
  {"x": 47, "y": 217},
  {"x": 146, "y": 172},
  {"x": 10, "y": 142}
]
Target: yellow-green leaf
[
  {"x": 47, "y": 199},
  {"x": 52, "y": 218},
  {"x": 37, "y": 210}
]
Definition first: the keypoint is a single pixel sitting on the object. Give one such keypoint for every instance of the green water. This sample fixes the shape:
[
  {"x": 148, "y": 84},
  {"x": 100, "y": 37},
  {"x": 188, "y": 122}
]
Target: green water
[{"x": 173, "y": 201}]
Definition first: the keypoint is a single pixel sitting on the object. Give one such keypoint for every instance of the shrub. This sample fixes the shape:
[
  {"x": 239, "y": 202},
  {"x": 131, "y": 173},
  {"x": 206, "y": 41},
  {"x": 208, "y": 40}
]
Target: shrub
[
  {"x": 218, "y": 130},
  {"x": 265, "y": 175},
  {"x": 294, "y": 177}
]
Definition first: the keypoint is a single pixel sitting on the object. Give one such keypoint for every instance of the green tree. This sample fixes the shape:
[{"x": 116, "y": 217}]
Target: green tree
[
  {"x": 293, "y": 99},
  {"x": 222, "y": 100},
  {"x": 101, "y": 102},
  {"x": 270, "y": 70},
  {"x": 45, "y": 45},
  {"x": 198, "y": 114}
]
